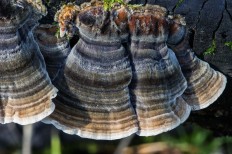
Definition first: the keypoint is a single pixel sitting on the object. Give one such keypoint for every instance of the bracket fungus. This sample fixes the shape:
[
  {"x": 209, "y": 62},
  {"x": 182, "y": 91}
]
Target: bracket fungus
[
  {"x": 157, "y": 83},
  {"x": 205, "y": 84},
  {"x": 132, "y": 71},
  {"x": 93, "y": 99},
  {"x": 25, "y": 88},
  {"x": 54, "y": 49}
]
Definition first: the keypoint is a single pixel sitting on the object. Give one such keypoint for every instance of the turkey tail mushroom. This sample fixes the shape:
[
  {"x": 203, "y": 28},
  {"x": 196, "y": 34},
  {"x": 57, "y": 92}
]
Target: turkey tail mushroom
[
  {"x": 205, "y": 84},
  {"x": 25, "y": 88},
  {"x": 157, "y": 83},
  {"x": 93, "y": 99},
  {"x": 54, "y": 49}
]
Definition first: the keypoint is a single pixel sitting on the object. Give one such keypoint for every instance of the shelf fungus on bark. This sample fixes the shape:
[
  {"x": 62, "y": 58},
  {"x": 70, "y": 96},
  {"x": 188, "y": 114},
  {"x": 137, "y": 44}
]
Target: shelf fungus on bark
[
  {"x": 205, "y": 84},
  {"x": 93, "y": 99},
  {"x": 54, "y": 49},
  {"x": 25, "y": 88},
  {"x": 109, "y": 92},
  {"x": 157, "y": 83}
]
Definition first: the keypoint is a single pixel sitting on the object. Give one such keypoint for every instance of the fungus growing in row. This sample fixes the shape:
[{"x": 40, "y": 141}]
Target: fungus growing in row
[{"x": 109, "y": 92}]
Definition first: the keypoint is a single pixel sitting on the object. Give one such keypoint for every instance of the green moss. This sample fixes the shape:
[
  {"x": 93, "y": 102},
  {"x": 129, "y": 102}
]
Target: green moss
[
  {"x": 179, "y": 3},
  {"x": 47, "y": 2},
  {"x": 55, "y": 143},
  {"x": 92, "y": 148},
  {"x": 211, "y": 50},
  {"x": 198, "y": 141},
  {"x": 108, "y": 4},
  {"x": 57, "y": 33},
  {"x": 148, "y": 139},
  {"x": 229, "y": 44}
]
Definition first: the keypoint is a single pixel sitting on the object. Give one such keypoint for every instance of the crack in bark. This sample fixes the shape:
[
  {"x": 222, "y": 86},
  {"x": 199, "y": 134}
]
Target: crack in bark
[
  {"x": 177, "y": 5},
  {"x": 199, "y": 14},
  {"x": 230, "y": 15},
  {"x": 219, "y": 23}
]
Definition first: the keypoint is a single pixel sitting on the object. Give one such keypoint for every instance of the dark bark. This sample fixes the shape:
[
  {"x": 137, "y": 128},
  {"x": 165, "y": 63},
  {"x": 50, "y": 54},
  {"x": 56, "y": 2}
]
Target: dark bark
[
  {"x": 222, "y": 58},
  {"x": 207, "y": 21},
  {"x": 168, "y": 4}
]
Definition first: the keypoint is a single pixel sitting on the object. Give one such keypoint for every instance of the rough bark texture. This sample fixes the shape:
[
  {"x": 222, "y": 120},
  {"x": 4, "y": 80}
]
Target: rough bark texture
[{"x": 211, "y": 21}]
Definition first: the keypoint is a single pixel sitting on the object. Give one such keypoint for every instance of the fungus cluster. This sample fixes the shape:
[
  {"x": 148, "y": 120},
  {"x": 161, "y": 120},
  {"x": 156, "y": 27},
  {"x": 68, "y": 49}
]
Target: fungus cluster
[{"x": 131, "y": 71}]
